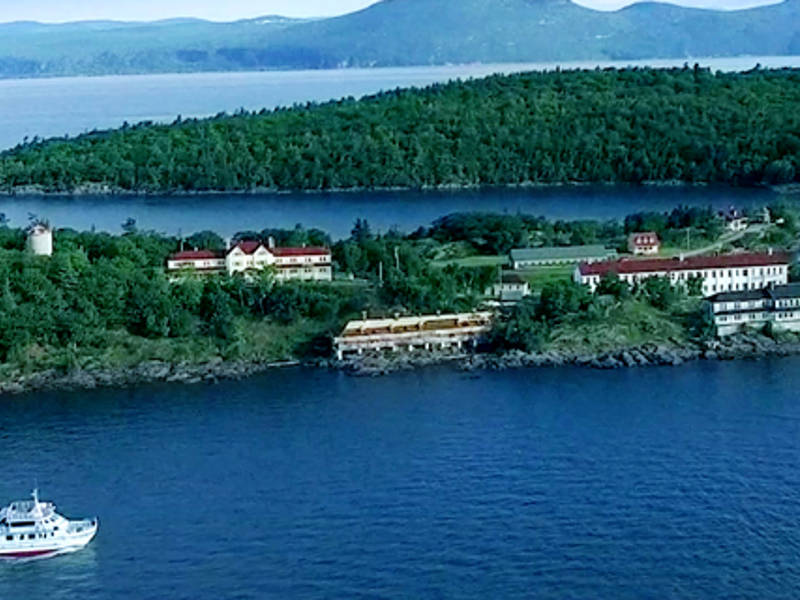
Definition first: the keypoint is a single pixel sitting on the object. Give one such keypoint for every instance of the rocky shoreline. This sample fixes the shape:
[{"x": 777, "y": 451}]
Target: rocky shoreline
[
  {"x": 148, "y": 372},
  {"x": 737, "y": 347}
]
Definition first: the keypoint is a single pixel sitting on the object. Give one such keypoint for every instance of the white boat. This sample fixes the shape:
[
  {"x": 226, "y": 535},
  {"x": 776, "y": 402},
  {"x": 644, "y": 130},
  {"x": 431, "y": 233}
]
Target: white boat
[{"x": 30, "y": 528}]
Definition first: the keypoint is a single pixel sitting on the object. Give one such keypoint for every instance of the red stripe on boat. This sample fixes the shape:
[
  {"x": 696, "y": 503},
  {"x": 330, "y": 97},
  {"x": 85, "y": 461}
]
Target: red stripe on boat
[{"x": 28, "y": 554}]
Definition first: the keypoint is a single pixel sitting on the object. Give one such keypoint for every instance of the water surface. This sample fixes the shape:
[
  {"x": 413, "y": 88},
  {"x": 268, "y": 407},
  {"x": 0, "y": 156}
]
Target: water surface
[
  {"x": 337, "y": 212},
  {"x": 73, "y": 105},
  {"x": 560, "y": 483}
]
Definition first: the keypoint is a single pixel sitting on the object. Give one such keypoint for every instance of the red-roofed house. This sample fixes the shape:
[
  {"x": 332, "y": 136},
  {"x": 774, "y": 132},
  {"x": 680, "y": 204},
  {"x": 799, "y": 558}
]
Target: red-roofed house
[
  {"x": 728, "y": 273},
  {"x": 313, "y": 264},
  {"x": 644, "y": 243},
  {"x": 200, "y": 260}
]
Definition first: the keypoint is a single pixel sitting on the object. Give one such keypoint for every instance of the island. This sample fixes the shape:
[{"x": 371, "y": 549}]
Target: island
[
  {"x": 85, "y": 309},
  {"x": 634, "y": 126}
]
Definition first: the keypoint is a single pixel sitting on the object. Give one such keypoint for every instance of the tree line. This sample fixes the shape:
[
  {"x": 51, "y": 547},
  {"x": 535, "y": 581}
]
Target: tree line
[{"x": 630, "y": 125}]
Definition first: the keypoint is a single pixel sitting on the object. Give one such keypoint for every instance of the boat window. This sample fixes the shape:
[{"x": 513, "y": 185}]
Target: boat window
[
  {"x": 31, "y": 536},
  {"x": 9, "y": 538},
  {"x": 55, "y": 528},
  {"x": 23, "y": 524}
]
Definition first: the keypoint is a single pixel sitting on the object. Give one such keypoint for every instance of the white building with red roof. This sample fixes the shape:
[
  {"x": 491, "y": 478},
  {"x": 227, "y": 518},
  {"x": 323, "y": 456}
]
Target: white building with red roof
[
  {"x": 644, "y": 243},
  {"x": 307, "y": 263},
  {"x": 728, "y": 273},
  {"x": 199, "y": 260}
]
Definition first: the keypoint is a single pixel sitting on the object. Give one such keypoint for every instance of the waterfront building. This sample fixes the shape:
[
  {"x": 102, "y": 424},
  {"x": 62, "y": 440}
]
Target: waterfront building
[
  {"x": 40, "y": 239},
  {"x": 727, "y": 273},
  {"x": 307, "y": 263},
  {"x": 525, "y": 258},
  {"x": 644, "y": 243},
  {"x": 428, "y": 332},
  {"x": 778, "y": 306}
]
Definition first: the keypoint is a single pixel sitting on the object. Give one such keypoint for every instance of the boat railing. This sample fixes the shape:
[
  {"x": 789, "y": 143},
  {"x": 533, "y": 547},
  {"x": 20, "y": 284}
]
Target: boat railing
[{"x": 81, "y": 526}]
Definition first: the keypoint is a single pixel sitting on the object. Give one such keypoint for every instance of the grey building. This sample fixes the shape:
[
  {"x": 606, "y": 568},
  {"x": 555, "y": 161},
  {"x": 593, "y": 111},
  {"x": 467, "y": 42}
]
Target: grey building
[
  {"x": 524, "y": 258},
  {"x": 753, "y": 309}
]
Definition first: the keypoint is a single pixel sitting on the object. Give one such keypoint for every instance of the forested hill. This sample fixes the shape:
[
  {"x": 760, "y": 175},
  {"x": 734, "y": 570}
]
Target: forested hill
[
  {"x": 402, "y": 32},
  {"x": 586, "y": 126}
]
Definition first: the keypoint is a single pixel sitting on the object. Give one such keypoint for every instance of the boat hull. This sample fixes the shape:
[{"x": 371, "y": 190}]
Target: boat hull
[{"x": 74, "y": 543}]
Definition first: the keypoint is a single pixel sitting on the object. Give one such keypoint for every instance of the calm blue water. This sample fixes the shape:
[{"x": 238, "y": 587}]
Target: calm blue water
[
  {"x": 643, "y": 483},
  {"x": 336, "y": 212},
  {"x": 74, "y": 105},
  {"x": 27, "y": 109}
]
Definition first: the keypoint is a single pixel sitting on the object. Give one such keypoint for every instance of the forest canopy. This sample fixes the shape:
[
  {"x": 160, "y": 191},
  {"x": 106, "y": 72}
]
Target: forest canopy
[{"x": 629, "y": 126}]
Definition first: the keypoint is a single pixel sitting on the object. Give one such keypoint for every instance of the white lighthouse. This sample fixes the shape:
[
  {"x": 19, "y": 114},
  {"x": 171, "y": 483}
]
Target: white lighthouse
[{"x": 40, "y": 239}]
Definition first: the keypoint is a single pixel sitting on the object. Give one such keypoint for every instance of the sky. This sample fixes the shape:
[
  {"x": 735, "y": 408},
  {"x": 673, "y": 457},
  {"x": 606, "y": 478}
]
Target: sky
[{"x": 56, "y": 11}]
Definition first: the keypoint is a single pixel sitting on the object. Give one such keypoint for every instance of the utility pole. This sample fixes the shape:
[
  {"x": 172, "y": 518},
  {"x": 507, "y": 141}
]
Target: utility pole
[
  {"x": 380, "y": 272},
  {"x": 397, "y": 257}
]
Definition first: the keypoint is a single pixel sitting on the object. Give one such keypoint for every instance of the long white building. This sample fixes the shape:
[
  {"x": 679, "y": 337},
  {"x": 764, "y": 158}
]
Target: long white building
[
  {"x": 728, "y": 273},
  {"x": 428, "y": 332},
  {"x": 308, "y": 264}
]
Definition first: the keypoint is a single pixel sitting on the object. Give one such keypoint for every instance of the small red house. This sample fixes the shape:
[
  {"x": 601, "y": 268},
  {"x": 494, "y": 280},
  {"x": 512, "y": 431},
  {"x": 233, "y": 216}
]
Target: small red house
[{"x": 644, "y": 243}]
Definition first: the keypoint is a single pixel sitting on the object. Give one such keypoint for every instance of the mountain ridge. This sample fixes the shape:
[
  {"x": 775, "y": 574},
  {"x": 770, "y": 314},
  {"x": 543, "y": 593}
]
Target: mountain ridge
[{"x": 400, "y": 33}]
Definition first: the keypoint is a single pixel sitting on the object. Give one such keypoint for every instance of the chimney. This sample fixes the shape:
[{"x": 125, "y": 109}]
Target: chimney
[
  {"x": 227, "y": 243},
  {"x": 270, "y": 242},
  {"x": 769, "y": 251},
  {"x": 681, "y": 257}
]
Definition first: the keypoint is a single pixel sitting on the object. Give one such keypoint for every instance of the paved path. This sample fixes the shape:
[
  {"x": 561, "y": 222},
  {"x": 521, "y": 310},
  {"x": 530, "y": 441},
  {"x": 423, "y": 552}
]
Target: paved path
[{"x": 726, "y": 238}]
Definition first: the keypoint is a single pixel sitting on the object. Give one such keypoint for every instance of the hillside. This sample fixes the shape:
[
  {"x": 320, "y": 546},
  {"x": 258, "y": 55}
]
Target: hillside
[
  {"x": 575, "y": 126},
  {"x": 401, "y": 32}
]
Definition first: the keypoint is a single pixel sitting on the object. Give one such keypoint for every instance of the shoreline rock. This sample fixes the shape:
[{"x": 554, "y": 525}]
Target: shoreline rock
[
  {"x": 736, "y": 347},
  {"x": 144, "y": 373}
]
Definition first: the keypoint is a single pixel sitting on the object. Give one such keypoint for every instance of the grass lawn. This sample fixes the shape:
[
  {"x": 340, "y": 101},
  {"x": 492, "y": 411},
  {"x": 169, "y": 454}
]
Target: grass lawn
[
  {"x": 618, "y": 324},
  {"x": 473, "y": 261},
  {"x": 539, "y": 276}
]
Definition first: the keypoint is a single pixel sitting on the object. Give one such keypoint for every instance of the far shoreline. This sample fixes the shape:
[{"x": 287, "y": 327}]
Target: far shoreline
[
  {"x": 100, "y": 191},
  {"x": 481, "y": 69}
]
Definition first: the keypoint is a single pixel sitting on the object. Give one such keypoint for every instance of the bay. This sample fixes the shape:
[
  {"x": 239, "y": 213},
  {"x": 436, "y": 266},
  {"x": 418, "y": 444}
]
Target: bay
[
  {"x": 551, "y": 483},
  {"x": 51, "y": 107},
  {"x": 336, "y": 212}
]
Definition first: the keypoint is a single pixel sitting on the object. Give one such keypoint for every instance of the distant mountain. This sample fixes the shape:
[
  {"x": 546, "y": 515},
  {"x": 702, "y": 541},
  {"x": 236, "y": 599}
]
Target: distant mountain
[{"x": 401, "y": 32}]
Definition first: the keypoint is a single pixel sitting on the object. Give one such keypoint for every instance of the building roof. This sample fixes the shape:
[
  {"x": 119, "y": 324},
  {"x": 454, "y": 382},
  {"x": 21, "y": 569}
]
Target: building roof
[
  {"x": 777, "y": 292},
  {"x": 416, "y": 323},
  {"x": 790, "y": 290},
  {"x": 742, "y": 296},
  {"x": 692, "y": 263},
  {"x": 561, "y": 253},
  {"x": 309, "y": 251},
  {"x": 510, "y": 277},
  {"x": 196, "y": 255},
  {"x": 644, "y": 238},
  {"x": 247, "y": 247}
]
